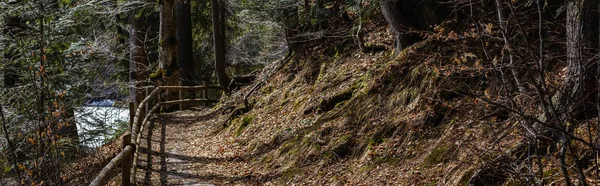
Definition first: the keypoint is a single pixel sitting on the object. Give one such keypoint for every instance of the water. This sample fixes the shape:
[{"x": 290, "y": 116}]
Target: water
[{"x": 96, "y": 125}]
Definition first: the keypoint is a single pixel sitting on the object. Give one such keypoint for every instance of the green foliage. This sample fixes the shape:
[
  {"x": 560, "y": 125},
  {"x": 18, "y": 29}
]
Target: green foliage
[
  {"x": 73, "y": 59},
  {"x": 121, "y": 128}
]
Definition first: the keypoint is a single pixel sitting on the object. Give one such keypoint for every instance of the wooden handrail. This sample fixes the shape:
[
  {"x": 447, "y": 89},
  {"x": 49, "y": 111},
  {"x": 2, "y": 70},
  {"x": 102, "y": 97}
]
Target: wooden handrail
[
  {"x": 137, "y": 141},
  {"x": 106, "y": 171},
  {"x": 137, "y": 128},
  {"x": 190, "y": 87},
  {"x": 186, "y": 101},
  {"x": 136, "y": 117}
]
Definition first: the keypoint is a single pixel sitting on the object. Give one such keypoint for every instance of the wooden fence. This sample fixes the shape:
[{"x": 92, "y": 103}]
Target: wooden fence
[{"x": 132, "y": 138}]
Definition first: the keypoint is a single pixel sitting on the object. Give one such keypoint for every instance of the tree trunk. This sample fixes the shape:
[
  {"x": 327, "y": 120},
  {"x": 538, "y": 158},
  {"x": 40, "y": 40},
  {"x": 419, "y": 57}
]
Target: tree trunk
[
  {"x": 572, "y": 87},
  {"x": 396, "y": 15},
  {"x": 168, "y": 44},
  {"x": 219, "y": 44},
  {"x": 185, "y": 58},
  {"x": 508, "y": 46},
  {"x": 138, "y": 62},
  {"x": 574, "y": 82}
]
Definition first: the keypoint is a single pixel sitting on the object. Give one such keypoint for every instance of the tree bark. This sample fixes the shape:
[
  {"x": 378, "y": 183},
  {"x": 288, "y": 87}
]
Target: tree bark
[
  {"x": 168, "y": 44},
  {"x": 574, "y": 79},
  {"x": 219, "y": 44},
  {"x": 138, "y": 61},
  {"x": 402, "y": 15},
  {"x": 185, "y": 58},
  {"x": 574, "y": 82}
]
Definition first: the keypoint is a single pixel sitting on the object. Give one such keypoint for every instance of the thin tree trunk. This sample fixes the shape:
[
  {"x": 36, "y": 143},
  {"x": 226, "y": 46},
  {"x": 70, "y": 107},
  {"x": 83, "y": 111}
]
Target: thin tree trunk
[
  {"x": 574, "y": 78},
  {"x": 11, "y": 148},
  {"x": 563, "y": 164},
  {"x": 573, "y": 83},
  {"x": 508, "y": 46},
  {"x": 598, "y": 94},
  {"x": 219, "y": 44}
]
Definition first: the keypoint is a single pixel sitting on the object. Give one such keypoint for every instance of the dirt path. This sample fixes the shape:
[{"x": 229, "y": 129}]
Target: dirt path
[{"x": 183, "y": 148}]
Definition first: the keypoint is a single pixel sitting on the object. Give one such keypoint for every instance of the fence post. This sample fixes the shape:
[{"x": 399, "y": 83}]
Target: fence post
[
  {"x": 180, "y": 97},
  {"x": 131, "y": 114},
  {"x": 149, "y": 102},
  {"x": 126, "y": 163},
  {"x": 204, "y": 96}
]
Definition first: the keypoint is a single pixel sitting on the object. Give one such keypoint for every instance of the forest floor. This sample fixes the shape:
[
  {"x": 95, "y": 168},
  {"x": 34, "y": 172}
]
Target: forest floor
[{"x": 183, "y": 148}]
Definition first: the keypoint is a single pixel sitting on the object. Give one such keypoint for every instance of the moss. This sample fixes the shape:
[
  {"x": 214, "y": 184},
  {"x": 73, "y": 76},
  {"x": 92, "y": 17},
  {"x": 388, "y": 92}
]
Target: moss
[
  {"x": 288, "y": 146},
  {"x": 245, "y": 121},
  {"x": 464, "y": 180},
  {"x": 327, "y": 155},
  {"x": 345, "y": 138},
  {"x": 321, "y": 73},
  {"x": 267, "y": 89},
  {"x": 289, "y": 174},
  {"x": 316, "y": 147},
  {"x": 158, "y": 74},
  {"x": 5, "y": 166},
  {"x": 366, "y": 169},
  {"x": 338, "y": 105},
  {"x": 386, "y": 159},
  {"x": 267, "y": 159},
  {"x": 436, "y": 156},
  {"x": 297, "y": 103},
  {"x": 550, "y": 172},
  {"x": 284, "y": 102},
  {"x": 343, "y": 146},
  {"x": 322, "y": 173}
]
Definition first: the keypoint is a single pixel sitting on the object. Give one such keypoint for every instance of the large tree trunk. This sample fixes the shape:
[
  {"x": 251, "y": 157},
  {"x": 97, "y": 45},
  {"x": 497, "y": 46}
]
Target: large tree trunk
[
  {"x": 219, "y": 44},
  {"x": 185, "y": 58},
  {"x": 401, "y": 15},
  {"x": 168, "y": 44}
]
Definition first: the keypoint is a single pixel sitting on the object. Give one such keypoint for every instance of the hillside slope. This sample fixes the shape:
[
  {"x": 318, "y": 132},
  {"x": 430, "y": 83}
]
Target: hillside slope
[{"x": 335, "y": 115}]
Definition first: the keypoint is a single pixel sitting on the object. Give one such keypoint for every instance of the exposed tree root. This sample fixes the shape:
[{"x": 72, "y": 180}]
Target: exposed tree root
[{"x": 237, "y": 110}]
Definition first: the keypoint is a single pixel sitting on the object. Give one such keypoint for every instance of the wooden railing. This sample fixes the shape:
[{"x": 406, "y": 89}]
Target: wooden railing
[{"x": 131, "y": 139}]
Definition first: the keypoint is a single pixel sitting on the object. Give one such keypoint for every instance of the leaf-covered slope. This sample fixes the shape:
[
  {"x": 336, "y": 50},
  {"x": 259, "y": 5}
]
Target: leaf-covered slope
[{"x": 346, "y": 117}]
